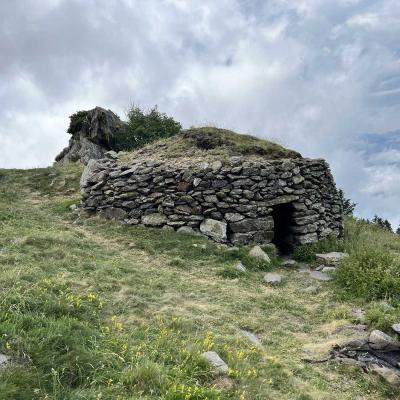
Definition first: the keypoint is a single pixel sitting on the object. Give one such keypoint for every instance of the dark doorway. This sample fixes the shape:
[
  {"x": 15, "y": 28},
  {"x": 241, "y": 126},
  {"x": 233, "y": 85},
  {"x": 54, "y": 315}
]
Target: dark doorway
[{"x": 283, "y": 221}]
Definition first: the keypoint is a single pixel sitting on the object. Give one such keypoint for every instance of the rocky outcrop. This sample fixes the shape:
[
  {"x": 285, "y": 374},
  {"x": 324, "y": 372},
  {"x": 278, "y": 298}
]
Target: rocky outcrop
[
  {"x": 92, "y": 137},
  {"x": 236, "y": 201}
]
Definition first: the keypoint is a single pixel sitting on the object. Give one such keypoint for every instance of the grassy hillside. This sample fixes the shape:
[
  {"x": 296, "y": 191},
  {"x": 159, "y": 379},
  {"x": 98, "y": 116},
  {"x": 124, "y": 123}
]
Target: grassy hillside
[
  {"x": 91, "y": 309},
  {"x": 209, "y": 143}
]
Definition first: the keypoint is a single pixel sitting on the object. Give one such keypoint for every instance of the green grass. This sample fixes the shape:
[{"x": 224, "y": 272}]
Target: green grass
[
  {"x": 92, "y": 309},
  {"x": 197, "y": 145}
]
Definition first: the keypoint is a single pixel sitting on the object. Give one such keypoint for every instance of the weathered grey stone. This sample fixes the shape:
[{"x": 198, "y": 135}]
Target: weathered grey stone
[
  {"x": 319, "y": 276},
  {"x": 4, "y": 359},
  {"x": 379, "y": 340},
  {"x": 250, "y": 224},
  {"x": 272, "y": 278},
  {"x": 253, "y": 338},
  {"x": 288, "y": 263},
  {"x": 233, "y": 217},
  {"x": 396, "y": 328},
  {"x": 258, "y": 252},
  {"x": 240, "y": 267},
  {"x": 332, "y": 258},
  {"x": 115, "y": 213},
  {"x": 214, "y": 229},
  {"x": 216, "y": 361},
  {"x": 155, "y": 219},
  {"x": 187, "y": 230},
  {"x": 94, "y": 138},
  {"x": 388, "y": 374},
  {"x": 252, "y": 237}
]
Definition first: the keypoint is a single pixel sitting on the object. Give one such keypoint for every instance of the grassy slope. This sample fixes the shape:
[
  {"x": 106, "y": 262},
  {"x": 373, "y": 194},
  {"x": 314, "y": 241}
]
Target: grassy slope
[
  {"x": 94, "y": 309},
  {"x": 208, "y": 144}
]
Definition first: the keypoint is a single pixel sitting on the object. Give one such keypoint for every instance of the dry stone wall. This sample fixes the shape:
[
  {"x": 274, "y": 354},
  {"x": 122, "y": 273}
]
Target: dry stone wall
[{"x": 236, "y": 201}]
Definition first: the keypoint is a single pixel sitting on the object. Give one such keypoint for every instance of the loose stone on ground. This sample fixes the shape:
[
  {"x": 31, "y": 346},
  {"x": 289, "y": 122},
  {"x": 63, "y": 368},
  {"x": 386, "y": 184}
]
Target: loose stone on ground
[
  {"x": 253, "y": 338},
  {"x": 258, "y": 252},
  {"x": 319, "y": 276},
  {"x": 272, "y": 278},
  {"x": 216, "y": 361}
]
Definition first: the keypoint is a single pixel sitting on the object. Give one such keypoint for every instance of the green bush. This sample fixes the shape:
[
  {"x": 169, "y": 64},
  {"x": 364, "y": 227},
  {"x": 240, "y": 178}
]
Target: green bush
[
  {"x": 145, "y": 127},
  {"x": 370, "y": 273},
  {"x": 76, "y": 122},
  {"x": 306, "y": 252}
]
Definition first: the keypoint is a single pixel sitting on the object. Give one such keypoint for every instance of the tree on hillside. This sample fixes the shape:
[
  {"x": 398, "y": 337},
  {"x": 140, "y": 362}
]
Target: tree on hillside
[
  {"x": 398, "y": 230},
  {"x": 146, "y": 127},
  {"x": 348, "y": 205},
  {"x": 383, "y": 223}
]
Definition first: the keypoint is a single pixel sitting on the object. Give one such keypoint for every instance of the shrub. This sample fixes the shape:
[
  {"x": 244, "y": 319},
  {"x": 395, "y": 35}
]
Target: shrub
[
  {"x": 306, "y": 252},
  {"x": 76, "y": 121},
  {"x": 370, "y": 273},
  {"x": 145, "y": 127}
]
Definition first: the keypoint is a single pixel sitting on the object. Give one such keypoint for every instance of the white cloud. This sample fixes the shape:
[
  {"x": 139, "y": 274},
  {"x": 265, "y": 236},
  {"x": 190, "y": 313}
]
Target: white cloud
[{"x": 312, "y": 74}]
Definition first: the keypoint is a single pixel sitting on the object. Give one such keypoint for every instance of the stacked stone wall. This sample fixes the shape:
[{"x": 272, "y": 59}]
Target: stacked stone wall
[{"x": 230, "y": 201}]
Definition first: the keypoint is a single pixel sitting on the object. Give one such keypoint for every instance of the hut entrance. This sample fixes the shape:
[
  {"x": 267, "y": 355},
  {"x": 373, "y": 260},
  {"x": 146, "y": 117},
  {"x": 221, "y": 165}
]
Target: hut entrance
[{"x": 283, "y": 221}]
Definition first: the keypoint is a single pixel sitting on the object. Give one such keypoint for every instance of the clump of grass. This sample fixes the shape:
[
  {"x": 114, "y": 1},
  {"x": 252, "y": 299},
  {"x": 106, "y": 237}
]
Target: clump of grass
[
  {"x": 371, "y": 274},
  {"x": 381, "y": 316},
  {"x": 307, "y": 252}
]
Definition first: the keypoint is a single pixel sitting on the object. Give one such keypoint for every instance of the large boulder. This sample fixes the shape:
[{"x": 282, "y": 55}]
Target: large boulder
[{"x": 92, "y": 137}]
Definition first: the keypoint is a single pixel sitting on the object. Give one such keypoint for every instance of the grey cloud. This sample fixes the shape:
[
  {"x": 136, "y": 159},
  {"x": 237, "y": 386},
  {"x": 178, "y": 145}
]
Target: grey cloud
[{"x": 311, "y": 74}]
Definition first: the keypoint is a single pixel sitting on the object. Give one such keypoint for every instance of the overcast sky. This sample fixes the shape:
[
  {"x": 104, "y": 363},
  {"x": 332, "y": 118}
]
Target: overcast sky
[{"x": 314, "y": 75}]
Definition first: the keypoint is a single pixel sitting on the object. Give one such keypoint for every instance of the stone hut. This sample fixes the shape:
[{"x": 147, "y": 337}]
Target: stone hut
[{"x": 245, "y": 198}]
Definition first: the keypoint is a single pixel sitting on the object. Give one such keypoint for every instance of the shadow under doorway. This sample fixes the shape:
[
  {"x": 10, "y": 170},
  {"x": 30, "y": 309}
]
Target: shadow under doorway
[{"x": 283, "y": 221}]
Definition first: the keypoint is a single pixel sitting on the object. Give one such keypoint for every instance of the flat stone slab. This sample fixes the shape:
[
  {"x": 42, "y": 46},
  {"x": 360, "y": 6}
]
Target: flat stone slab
[
  {"x": 272, "y": 278},
  {"x": 216, "y": 361},
  {"x": 4, "y": 359},
  {"x": 258, "y": 252},
  {"x": 332, "y": 258},
  {"x": 319, "y": 276}
]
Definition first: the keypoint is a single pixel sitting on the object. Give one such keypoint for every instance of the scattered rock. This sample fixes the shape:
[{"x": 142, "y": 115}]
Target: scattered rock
[
  {"x": 332, "y": 258},
  {"x": 113, "y": 155},
  {"x": 379, "y": 340},
  {"x": 320, "y": 267},
  {"x": 168, "y": 228},
  {"x": 216, "y": 361},
  {"x": 320, "y": 276},
  {"x": 253, "y": 338},
  {"x": 240, "y": 267},
  {"x": 304, "y": 270},
  {"x": 388, "y": 374},
  {"x": 214, "y": 229},
  {"x": 258, "y": 252},
  {"x": 4, "y": 359},
  {"x": 396, "y": 328},
  {"x": 288, "y": 263},
  {"x": 272, "y": 278}
]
